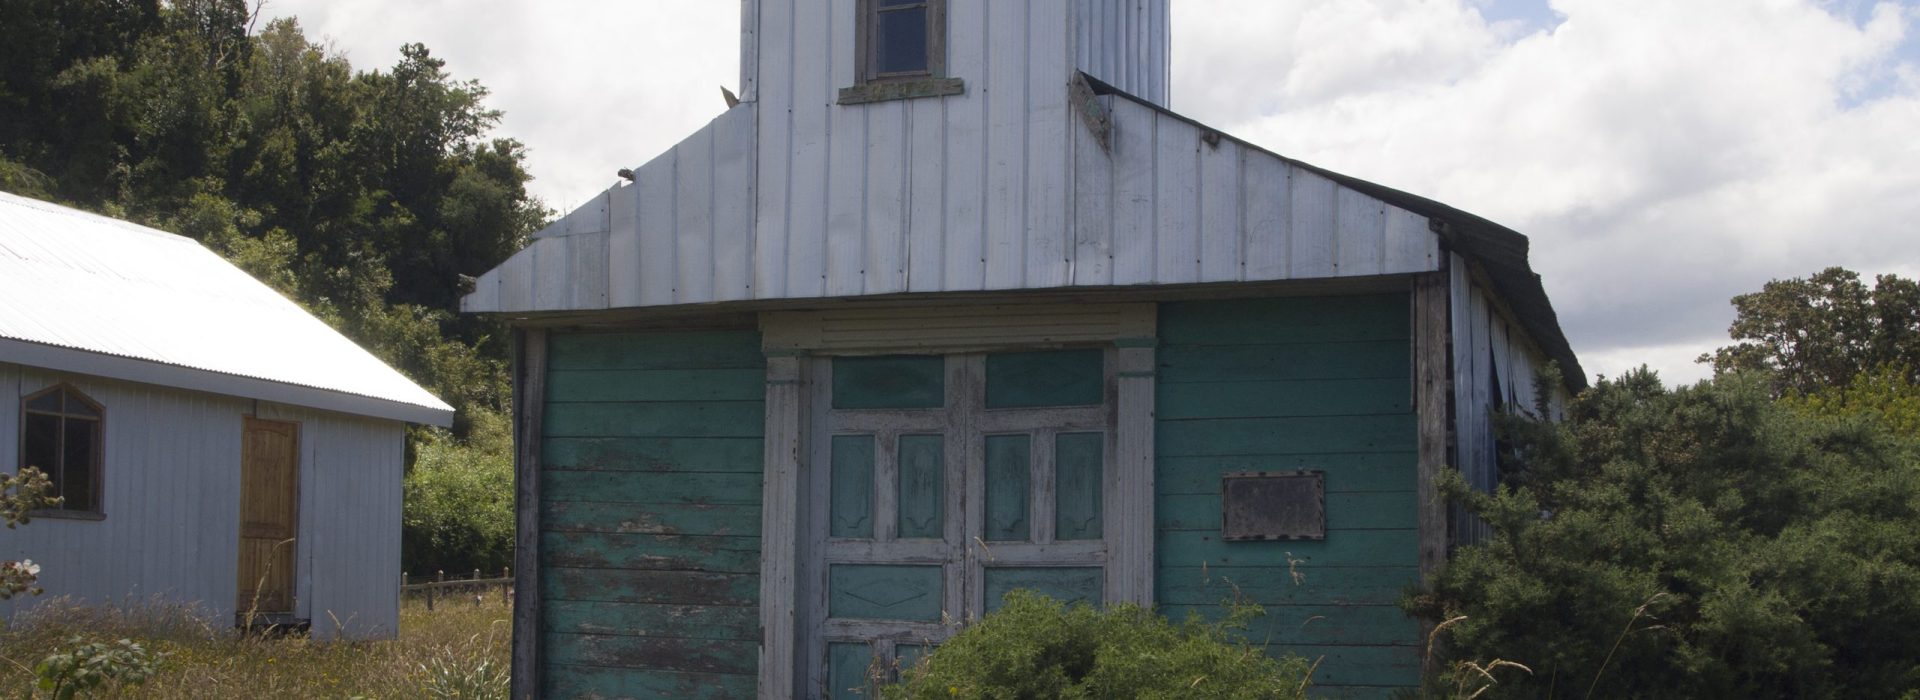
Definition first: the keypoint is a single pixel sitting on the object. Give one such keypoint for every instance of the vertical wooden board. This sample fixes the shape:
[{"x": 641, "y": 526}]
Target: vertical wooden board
[
  {"x": 1362, "y": 222},
  {"x": 623, "y": 246},
  {"x": 1064, "y": 584},
  {"x": 1135, "y": 164},
  {"x": 1048, "y": 237},
  {"x": 1008, "y": 460},
  {"x": 926, "y": 195},
  {"x": 1005, "y": 88},
  {"x": 1092, "y": 208},
  {"x": 1410, "y": 245},
  {"x": 1313, "y": 226},
  {"x": 1176, "y": 201},
  {"x": 1079, "y": 470},
  {"x": 851, "y": 505},
  {"x": 966, "y": 149},
  {"x": 658, "y": 238},
  {"x": 1501, "y": 383},
  {"x": 886, "y": 198},
  {"x": 884, "y": 592},
  {"x": 847, "y": 664},
  {"x": 922, "y": 478},
  {"x": 808, "y": 174},
  {"x": 1267, "y": 228},
  {"x": 773, "y": 147},
  {"x": 693, "y": 217},
  {"x": 1045, "y": 378},
  {"x": 1222, "y": 254},
  {"x": 1481, "y": 319}
]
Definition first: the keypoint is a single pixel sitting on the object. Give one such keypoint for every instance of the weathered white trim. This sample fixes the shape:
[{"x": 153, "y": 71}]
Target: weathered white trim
[
  {"x": 953, "y": 329},
  {"x": 1129, "y": 505},
  {"x": 780, "y": 526},
  {"x": 78, "y": 361}
]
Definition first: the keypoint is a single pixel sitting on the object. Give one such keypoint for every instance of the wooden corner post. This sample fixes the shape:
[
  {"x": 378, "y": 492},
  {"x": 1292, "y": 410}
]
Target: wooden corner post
[
  {"x": 1432, "y": 389},
  {"x": 529, "y": 400},
  {"x": 780, "y": 526}
]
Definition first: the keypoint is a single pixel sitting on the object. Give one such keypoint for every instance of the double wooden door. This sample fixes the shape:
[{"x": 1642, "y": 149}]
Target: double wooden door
[
  {"x": 269, "y": 497},
  {"x": 938, "y": 484}
]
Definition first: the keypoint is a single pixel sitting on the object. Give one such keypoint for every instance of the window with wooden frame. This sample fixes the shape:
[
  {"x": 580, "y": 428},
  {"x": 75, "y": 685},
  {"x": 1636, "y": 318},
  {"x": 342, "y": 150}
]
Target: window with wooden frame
[
  {"x": 61, "y": 434},
  {"x": 901, "y": 52}
]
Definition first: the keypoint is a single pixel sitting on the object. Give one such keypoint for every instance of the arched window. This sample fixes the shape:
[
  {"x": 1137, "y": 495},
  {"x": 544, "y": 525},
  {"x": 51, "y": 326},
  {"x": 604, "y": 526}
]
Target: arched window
[{"x": 60, "y": 434}]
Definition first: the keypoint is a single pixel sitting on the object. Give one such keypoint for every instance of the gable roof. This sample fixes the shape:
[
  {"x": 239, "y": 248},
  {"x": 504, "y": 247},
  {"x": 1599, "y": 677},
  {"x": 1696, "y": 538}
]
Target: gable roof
[
  {"x": 1501, "y": 251},
  {"x": 89, "y": 294}
]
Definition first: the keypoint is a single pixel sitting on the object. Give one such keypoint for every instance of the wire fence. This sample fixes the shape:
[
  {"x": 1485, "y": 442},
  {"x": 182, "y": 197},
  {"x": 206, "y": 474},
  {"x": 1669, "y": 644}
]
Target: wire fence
[{"x": 472, "y": 591}]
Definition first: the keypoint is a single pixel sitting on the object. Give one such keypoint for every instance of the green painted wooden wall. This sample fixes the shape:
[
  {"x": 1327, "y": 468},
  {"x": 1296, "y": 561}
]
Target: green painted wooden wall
[
  {"x": 650, "y": 514},
  {"x": 1283, "y": 384}
]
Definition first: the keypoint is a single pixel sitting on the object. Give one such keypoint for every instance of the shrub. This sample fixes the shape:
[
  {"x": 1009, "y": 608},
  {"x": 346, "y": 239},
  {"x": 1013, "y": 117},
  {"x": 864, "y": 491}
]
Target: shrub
[
  {"x": 1036, "y": 647},
  {"x": 459, "y": 500},
  {"x": 1698, "y": 542},
  {"x": 91, "y": 666}
]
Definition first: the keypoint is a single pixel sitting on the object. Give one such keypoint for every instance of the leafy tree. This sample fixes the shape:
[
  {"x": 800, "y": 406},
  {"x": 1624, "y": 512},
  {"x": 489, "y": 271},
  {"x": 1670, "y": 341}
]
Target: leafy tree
[
  {"x": 1822, "y": 331},
  {"x": 1695, "y": 542}
]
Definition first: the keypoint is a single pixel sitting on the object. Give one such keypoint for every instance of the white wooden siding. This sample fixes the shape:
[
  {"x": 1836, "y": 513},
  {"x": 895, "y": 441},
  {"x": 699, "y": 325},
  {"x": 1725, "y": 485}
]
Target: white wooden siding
[
  {"x": 171, "y": 493},
  {"x": 1126, "y": 44},
  {"x": 1003, "y": 187}
]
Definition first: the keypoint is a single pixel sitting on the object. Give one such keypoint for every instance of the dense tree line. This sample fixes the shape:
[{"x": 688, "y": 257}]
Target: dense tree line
[{"x": 364, "y": 195}]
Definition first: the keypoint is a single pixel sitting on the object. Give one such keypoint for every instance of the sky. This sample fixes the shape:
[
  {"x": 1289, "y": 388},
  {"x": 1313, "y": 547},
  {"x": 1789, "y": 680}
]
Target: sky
[{"x": 1662, "y": 156}]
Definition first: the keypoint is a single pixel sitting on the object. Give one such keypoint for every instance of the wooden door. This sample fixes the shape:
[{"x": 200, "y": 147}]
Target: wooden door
[
  {"x": 940, "y": 484},
  {"x": 269, "y": 497}
]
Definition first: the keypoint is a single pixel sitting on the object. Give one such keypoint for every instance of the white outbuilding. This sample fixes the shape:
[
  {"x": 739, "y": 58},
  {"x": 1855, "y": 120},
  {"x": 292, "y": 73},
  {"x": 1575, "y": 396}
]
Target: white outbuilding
[{"x": 214, "y": 444}]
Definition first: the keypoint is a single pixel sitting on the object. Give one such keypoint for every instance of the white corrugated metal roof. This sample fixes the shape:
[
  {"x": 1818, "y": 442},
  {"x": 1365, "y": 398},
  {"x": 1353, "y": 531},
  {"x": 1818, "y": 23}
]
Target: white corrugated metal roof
[{"x": 79, "y": 281}]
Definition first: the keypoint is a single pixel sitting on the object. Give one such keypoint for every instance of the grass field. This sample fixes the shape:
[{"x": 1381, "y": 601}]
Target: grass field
[{"x": 455, "y": 651}]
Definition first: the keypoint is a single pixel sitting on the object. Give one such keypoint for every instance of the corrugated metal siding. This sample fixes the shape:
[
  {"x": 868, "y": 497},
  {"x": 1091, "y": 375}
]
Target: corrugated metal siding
[
  {"x": 76, "y": 280},
  {"x": 650, "y": 541},
  {"x": 172, "y": 490},
  {"x": 1494, "y": 365},
  {"x": 1127, "y": 44},
  {"x": 1278, "y": 385}
]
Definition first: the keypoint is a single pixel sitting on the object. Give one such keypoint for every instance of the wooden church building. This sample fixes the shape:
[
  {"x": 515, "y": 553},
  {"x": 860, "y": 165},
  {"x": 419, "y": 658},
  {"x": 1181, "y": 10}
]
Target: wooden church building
[{"x": 951, "y": 303}]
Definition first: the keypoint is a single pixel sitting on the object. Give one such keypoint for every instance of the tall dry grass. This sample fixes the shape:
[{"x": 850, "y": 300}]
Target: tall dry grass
[{"x": 453, "y": 648}]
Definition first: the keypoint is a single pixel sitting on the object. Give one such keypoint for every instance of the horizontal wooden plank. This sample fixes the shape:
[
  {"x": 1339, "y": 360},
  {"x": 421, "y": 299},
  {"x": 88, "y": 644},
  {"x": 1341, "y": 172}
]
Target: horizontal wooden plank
[
  {"x": 1374, "y": 666},
  {"x": 656, "y": 350},
  {"x": 1304, "y": 584},
  {"x": 657, "y": 419},
  {"x": 1286, "y": 320},
  {"x": 601, "y": 550},
  {"x": 1279, "y": 399},
  {"x": 1350, "y": 548},
  {"x": 1314, "y": 434},
  {"x": 653, "y": 454},
  {"x": 666, "y": 654},
  {"x": 1371, "y": 359},
  {"x": 666, "y": 587},
  {"x": 1367, "y": 510},
  {"x": 1317, "y": 624},
  {"x": 607, "y": 683},
  {"x": 1348, "y": 472},
  {"x": 650, "y": 487},
  {"x": 743, "y": 384},
  {"x": 652, "y": 518},
  {"x": 650, "y": 620}
]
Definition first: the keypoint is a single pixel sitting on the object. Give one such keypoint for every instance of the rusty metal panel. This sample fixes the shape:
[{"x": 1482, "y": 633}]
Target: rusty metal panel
[{"x": 1273, "y": 505}]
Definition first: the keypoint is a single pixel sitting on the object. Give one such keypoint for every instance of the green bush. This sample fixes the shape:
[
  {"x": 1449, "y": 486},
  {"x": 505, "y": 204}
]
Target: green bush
[
  {"x": 459, "y": 500},
  {"x": 1036, "y": 648},
  {"x": 1699, "y": 542}
]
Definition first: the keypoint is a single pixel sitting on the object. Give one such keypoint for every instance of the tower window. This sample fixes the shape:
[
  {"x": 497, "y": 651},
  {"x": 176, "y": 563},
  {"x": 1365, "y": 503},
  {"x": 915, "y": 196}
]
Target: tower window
[{"x": 902, "y": 48}]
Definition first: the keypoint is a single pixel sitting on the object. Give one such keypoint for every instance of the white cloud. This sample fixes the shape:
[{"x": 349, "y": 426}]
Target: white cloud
[{"x": 1663, "y": 156}]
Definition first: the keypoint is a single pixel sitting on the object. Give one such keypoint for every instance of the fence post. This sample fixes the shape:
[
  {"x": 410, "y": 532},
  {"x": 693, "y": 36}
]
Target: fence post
[{"x": 506, "y": 584}]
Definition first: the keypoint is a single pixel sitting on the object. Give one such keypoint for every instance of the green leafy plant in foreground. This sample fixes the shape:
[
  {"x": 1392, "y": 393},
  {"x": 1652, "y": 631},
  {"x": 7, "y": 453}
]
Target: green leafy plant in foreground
[
  {"x": 93, "y": 666},
  {"x": 1036, "y": 647}
]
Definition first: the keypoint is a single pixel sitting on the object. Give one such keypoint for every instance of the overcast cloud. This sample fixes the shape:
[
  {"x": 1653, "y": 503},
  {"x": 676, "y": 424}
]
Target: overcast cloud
[{"x": 1663, "y": 156}]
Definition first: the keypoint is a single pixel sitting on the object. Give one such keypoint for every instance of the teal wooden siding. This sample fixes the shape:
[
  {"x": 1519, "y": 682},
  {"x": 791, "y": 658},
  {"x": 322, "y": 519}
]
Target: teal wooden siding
[
  {"x": 1282, "y": 384},
  {"x": 650, "y": 515}
]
